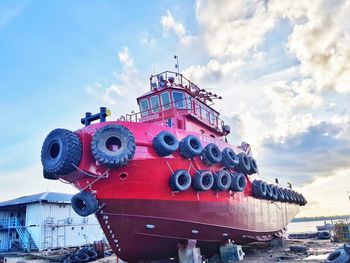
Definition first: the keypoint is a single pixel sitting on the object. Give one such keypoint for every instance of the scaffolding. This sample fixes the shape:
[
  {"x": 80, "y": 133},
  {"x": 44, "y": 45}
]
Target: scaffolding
[{"x": 54, "y": 234}]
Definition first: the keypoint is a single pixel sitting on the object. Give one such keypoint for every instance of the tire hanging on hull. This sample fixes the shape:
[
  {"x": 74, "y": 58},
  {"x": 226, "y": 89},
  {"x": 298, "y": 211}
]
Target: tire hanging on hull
[
  {"x": 84, "y": 203},
  {"x": 113, "y": 145},
  {"x": 61, "y": 153},
  {"x": 180, "y": 180},
  {"x": 202, "y": 181},
  {"x": 190, "y": 147},
  {"x": 165, "y": 143},
  {"x": 238, "y": 182},
  {"x": 222, "y": 181},
  {"x": 211, "y": 154}
]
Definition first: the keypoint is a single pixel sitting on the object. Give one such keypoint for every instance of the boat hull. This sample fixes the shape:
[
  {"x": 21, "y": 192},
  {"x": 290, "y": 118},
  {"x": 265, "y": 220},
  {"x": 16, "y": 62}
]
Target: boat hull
[
  {"x": 152, "y": 229},
  {"x": 143, "y": 219}
]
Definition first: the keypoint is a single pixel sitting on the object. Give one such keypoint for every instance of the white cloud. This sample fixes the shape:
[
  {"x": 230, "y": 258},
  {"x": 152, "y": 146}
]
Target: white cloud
[
  {"x": 327, "y": 196},
  {"x": 233, "y": 28},
  {"x": 125, "y": 58},
  {"x": 322, "y": 44},
  {"x": 169, "y": 24},
  {"x": 288, "y": 102},
  {"x": 147, "y": 40},
  {"x": 129, "y": 84}
]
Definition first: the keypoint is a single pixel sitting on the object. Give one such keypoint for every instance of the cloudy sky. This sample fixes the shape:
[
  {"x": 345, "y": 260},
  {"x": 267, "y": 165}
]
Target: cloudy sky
[{"x": 282, "y": 67}]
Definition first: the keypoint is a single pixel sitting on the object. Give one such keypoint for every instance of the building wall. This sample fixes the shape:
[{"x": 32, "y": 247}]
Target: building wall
[
  {"x": 57, "y": 225},
  {"x": 3, "y": 240}
]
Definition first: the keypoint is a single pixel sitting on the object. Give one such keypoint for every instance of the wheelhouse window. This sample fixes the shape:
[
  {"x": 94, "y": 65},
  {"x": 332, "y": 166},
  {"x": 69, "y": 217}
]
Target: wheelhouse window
[
  {"x": 205, "y": 113},
  {"x": 179, "y": 99},
  {"x": 213, "y": 118},
  {"x": 165, "y": 98},
  {"x": 155, "y": 104},
  {"x": 144, "y": 107}
]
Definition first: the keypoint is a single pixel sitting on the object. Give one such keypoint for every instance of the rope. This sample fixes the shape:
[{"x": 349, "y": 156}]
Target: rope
[
  {"x": 171, "y": 170},
  {"x": 86, "y": 173},
  {"x": 192, "y": 166},
  {"x": 104, "y": 175},
  {"x": 63, "y": 181},
  {"x": 100, "y": 208}
]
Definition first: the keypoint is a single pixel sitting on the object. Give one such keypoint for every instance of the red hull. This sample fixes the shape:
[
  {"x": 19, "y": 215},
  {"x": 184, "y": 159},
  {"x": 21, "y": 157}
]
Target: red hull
[
  {"x": 148, "y": 229},
  {"x": 138, "y": 195}
]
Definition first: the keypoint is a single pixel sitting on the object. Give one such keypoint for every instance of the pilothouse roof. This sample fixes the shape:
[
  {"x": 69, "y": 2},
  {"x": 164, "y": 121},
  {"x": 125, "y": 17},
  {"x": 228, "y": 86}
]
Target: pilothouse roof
[{"x": 170, "y": 79}]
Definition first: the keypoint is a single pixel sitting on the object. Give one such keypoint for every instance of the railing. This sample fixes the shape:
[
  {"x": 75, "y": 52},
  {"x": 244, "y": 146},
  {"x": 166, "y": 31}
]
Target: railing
[
  {"x": 187, "y": 106},
  {"x": 171, "y": 79},
  {"x": 11, "y": 222},
  {"x": 24, "y": 235}
]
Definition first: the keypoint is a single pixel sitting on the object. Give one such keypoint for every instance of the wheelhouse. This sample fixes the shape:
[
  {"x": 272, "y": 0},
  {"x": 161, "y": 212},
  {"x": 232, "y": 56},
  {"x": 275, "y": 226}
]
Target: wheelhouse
[{"x": 177, "y": 102}]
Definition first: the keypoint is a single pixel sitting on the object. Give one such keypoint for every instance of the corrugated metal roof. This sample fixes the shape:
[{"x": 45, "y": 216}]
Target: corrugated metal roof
[{"x": 48, "y": 197}]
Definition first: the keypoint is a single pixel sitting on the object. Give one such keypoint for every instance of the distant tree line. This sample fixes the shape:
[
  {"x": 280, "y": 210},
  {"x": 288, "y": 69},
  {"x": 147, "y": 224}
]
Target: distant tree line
[{"x": 320, "y": 218}]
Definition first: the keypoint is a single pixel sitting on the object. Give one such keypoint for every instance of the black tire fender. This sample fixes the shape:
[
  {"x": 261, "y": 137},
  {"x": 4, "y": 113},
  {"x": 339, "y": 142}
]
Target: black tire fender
[
  {"x": 82, "y": 257},
  {"x": 165, "y": 143},
  {"x": 274, "y": 191},
  {"x": 202, "y": 181},
  {"x": 338, "y": 256},
  {"x": 286, "y": 195},
  {"x": 259, "y": 189},
  {"x": 244, "y": 163},
  {"x": 269, "y": 193},
  {"x": 180, "y": 180},
  {"x": 60, "y": 153},
  {"x": 222, "y": 181},
  {"x": 238, "y": 182},
  {"x": 190, "y": 147},
  {"x": 113, "y": 145},
  {"x": 211, "y": 154},
  {"x": 304, "y": 200},
  {"x": 84, "y": 203},
  {"x": 281, "y": 196},
  {"x": 229, "y": 158},
  {"x": 90, "y": 252},
  {"x": 253, "y": 166}
]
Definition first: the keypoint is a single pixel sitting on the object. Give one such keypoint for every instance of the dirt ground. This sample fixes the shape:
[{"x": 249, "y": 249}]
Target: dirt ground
[{"x": 318, "y": 250}]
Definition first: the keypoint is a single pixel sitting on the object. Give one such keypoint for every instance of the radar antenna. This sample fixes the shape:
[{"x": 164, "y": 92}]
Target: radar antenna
[{"x": 177, "y": 64}]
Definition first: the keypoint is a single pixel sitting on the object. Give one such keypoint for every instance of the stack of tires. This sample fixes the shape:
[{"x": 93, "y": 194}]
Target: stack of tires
[
  {"x": 273, "y": 192},
  {"x": 203, "y": 180},
  {"x": 166, "y": 143},
  {"x": 112, "y": 145},
  {"x": 86, "y": 254}
]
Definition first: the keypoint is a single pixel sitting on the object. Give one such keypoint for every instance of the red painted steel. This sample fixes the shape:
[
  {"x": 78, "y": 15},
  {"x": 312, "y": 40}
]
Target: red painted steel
[{"x": 140, "y": 215}]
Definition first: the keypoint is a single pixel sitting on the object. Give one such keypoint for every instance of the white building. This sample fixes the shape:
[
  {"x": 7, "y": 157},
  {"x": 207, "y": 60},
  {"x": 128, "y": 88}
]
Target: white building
[{"x": 43, "y": 221}]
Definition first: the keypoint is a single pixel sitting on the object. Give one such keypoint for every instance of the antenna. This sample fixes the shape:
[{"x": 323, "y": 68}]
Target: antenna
[{"x": 177, "y": 64}]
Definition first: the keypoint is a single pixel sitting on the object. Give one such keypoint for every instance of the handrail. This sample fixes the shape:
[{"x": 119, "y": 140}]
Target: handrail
[{"x": 190, "y": 106}]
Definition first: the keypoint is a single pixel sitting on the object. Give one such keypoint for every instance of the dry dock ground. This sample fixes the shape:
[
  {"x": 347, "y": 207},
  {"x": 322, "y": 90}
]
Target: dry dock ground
[{"x": 318, "y": 251}]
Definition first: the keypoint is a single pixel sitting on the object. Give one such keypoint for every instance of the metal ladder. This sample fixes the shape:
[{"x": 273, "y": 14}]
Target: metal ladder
[{"x": 27, "y": 241}]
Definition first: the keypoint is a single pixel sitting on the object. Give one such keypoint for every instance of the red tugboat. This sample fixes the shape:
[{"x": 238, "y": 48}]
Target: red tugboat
[{"x": 166, "y": 175}]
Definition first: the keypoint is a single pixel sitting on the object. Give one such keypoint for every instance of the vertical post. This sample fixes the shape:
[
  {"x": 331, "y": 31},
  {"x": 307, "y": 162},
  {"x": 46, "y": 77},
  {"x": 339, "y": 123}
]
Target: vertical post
[{"x": 177, "y": 65}]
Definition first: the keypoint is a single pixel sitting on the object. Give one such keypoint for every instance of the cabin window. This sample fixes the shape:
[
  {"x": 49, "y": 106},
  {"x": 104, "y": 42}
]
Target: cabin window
[
  {"x": 179, "y": 99},
  {"x": 144, "y": 107},
  {"x": 188, "y": 102},
  {"x": 165, "y": 98},
  {"x": 205, "y": 113},
  {"x": 155, "y": 104},
  {"x": 213, "y": 118}
]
